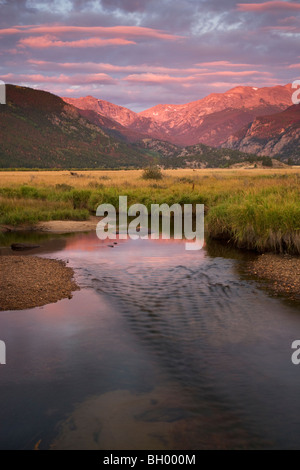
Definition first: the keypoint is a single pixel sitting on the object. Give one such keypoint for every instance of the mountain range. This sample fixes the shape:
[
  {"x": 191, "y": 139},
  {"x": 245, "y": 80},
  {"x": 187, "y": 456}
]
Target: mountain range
[
  {"x": 210, "y": 121},
  {"x": 39, "y": 129}
]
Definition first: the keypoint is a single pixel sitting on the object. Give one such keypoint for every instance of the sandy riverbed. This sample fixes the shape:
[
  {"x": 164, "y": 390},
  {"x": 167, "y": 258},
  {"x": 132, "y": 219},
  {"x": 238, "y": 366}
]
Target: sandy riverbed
[{"x": 55, "y": 226}]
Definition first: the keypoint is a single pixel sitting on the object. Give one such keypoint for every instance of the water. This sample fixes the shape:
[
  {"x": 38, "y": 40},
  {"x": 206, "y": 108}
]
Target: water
[{"x": 160, "y": 349}]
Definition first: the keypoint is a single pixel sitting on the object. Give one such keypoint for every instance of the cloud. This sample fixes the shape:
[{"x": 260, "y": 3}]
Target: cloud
[
  {"x": 289, "y": 19},
  {"x": 106, "y": 67},
  {"x": 177, "y": 50},
  {"x": 63, "y": 79},
  {"x": 9, "y": 31},
  {"x": 126, "y": 5},
  {"x": 156, "y": 79},
  {"x": 103, "y": 31},
  {"x": 234, "y": 73},
  {"x": 279, "y": 28},
  {"x": 268, "y": 6},
  {"x": 44, "y": 42},
  {"x": 222, "y": 63}
]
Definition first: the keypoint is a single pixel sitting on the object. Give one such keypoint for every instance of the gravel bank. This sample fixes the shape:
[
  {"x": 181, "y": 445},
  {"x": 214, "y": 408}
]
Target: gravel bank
[
  {"x": 281, "y": 271},
  {"x": 30, "y": 281}
]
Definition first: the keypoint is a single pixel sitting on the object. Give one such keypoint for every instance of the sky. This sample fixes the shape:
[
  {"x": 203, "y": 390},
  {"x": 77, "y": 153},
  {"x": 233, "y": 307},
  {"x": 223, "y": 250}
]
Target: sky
[{"x": 139, "y": 53}]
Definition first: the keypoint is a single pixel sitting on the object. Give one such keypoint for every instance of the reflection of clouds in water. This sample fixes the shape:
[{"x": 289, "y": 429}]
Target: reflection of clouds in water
[{"x": 122, "y": 420}]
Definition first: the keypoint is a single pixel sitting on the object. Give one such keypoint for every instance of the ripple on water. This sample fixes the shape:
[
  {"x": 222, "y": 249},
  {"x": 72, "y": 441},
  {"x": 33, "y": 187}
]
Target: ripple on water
[{"x": 211, "y": 331}]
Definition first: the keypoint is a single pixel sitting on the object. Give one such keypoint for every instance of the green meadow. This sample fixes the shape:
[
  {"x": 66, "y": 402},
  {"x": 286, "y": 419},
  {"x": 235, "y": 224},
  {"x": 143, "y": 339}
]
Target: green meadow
[{"x": 255, "y": 209}]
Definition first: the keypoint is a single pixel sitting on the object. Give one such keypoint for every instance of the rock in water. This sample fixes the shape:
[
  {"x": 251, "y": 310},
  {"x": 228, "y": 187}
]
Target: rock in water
[{"x": 23, "y": 246}]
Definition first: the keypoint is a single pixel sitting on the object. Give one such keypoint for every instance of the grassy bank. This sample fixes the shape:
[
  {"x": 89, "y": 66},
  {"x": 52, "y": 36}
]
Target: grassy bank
[{"x": 256, "y": 209}]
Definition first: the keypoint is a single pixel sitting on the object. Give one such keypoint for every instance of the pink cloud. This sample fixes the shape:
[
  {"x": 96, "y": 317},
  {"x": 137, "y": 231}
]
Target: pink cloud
[
  {"x": 268, "y": 6},
  {"x": 93, "y": 66},
  {"x": 233, "y": 73},
  {"x": 290, "y": 19},
  {"x": 9, "y": 31},
  {"x": 219, "y": 84},
  {"x": 157, "y": 79},
  {"x": 104, "y": 31},
  {"x": 65, "y": 79},
  {"x": 222, "y": 63},
  {"x": 44, "y": 42},
  {"x": 281, "y": 28}
]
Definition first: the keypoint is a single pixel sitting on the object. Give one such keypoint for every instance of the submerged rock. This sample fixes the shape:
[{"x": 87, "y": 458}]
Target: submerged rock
[{"x": 23, "y": 246}]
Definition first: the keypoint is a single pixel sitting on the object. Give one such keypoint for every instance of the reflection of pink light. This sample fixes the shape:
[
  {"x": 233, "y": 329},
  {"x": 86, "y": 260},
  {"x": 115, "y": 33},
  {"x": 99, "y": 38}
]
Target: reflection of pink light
[
  {"x": 87, "y": 243},
  {"x": 90, "y": 242},
  {"x": 136, "y": 254}
]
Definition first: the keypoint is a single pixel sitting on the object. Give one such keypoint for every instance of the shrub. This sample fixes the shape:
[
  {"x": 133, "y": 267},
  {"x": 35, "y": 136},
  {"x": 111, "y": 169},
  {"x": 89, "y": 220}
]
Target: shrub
[
  {"x": 80, "y": 198},
  {"x": 267, "y": 161},
  {"x": 29, "y": 192},
  {"x": 152, "y": 173},
  {"x": 95, "y": 200},
  {"x": 63, "y": 187},
  {"x": 94, "y": 184},
  {"x": 184, "y": 179},
  {"x": 104, "y": 178}
]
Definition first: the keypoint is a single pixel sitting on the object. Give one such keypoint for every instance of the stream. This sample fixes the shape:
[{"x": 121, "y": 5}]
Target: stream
[{"x": 162, "y": 348}]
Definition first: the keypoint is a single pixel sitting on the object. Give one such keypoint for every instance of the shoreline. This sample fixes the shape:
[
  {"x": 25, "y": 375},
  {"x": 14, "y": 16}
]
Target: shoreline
[
  {"x": 280, "y": 272},
  {"x": 77, "y": 226},
  {"x": 30, "y": 281},
  {"x": 54, "y": 226}
]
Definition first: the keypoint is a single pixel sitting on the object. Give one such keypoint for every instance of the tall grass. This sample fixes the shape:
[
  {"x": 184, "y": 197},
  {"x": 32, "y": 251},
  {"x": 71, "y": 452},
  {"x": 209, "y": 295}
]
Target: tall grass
[
  {"x": 15, "y": 211},
  {"x": 258, "y": 209}
]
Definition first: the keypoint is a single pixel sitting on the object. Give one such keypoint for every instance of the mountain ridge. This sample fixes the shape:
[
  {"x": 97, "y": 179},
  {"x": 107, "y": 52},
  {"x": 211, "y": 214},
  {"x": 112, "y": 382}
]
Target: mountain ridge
[
  {"x": 275, "y": 135},
  {"x": 39, "y": 129},
  {"x": 210, "y": 120}
]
